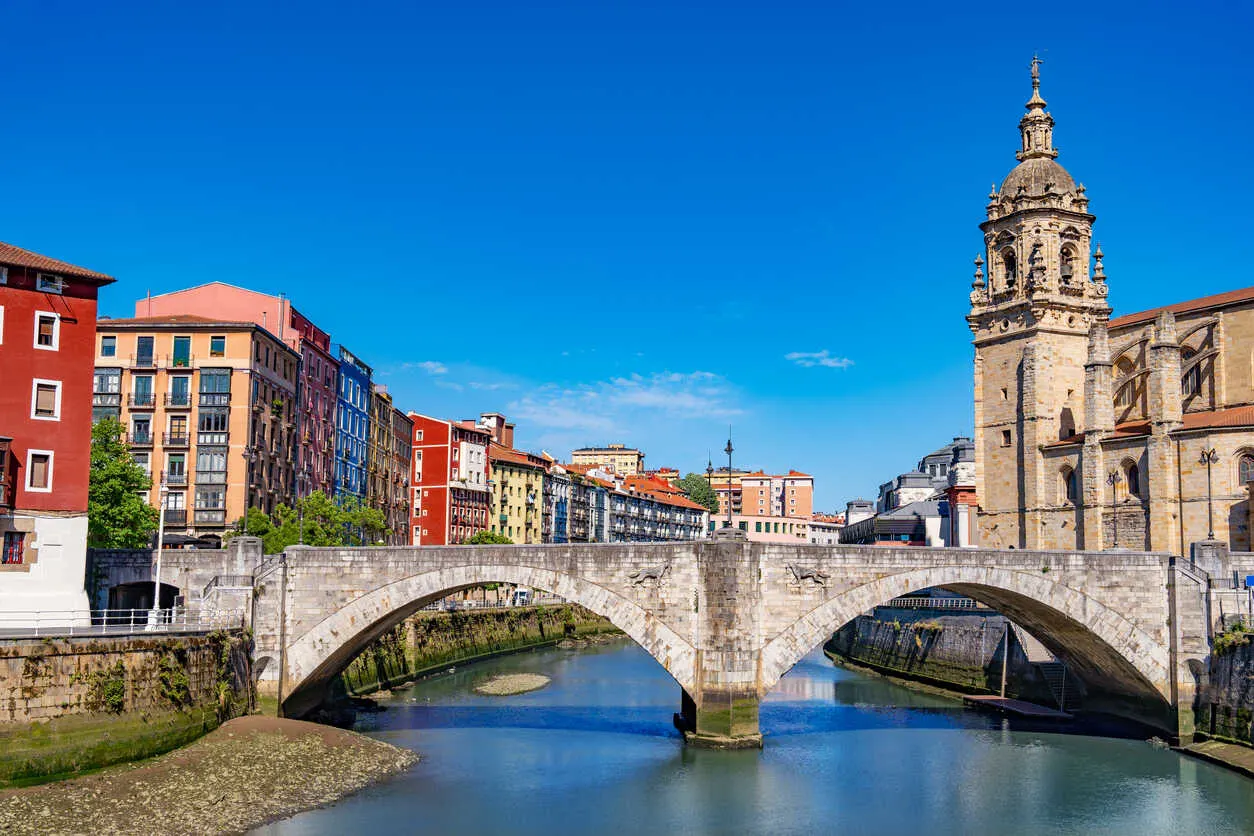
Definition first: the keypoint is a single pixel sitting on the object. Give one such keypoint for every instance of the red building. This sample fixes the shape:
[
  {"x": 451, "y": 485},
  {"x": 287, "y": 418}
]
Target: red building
[
  {"x": 450, "y": 481},
  {"x": 47, "y": 352}
]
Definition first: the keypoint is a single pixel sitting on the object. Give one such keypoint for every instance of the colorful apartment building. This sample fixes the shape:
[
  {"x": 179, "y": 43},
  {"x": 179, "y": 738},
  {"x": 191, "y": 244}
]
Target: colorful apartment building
[
  {"x": 555, "y": 523},
  {"x": 517, "y": 493},
  {"x": 789, "y": 495},
  {"x": 649, "y": 510},
  {"x": 389, "y": 456},
  {"x": 588, "y": 514},
  {"x": 352, "y": 427},
  {"x": 449, "y": 479},
  {"x": 209, "y": 408},
  {"x": 315, "y": 416},
  {"x": 47, "y": 330},
  {"x": 616, "y": 458}
]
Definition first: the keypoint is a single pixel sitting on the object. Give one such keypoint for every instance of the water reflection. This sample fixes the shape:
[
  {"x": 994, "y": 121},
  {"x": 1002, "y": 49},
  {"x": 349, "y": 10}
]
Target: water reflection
[{"x": 595, "y": 753}]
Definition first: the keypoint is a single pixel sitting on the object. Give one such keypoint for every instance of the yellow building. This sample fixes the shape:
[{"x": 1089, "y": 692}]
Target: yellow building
[
  {"x": 209, "y": 411},
  {"x": 517, "y": 505},
  {"x": 616, "y": 458},
  {"x": 1092, "y": 433}
]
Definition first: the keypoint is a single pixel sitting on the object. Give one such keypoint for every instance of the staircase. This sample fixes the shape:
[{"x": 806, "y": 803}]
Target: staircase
[{"x": 1055, "y": 675}]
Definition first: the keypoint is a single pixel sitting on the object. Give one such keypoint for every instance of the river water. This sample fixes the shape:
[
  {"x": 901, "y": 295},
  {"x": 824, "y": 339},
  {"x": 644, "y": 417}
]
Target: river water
[{"x": 595, "y": 753}]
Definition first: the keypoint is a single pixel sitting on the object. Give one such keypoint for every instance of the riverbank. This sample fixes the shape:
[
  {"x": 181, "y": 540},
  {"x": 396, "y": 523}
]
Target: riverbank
[{"x": 249, "y": 771}]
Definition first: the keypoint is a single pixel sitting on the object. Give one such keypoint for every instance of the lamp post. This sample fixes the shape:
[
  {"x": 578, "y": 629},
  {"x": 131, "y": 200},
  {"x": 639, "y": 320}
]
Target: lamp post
[
  {"x": 250, "y": 456},
  {"x": 1113, "y": 480},
  {"x": 154, "y": 615},
  {"x": 1208, "y": 458},
  {"x": 728, "y": 450},
  {"x": 709, "y": 478}
]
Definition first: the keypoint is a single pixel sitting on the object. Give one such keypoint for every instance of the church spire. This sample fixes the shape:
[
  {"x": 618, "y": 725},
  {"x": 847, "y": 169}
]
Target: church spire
[{"x": 1036, "y": 126}]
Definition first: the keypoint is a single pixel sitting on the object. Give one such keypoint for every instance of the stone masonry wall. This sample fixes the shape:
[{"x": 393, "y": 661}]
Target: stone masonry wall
[{"x": 42, "y": 679}]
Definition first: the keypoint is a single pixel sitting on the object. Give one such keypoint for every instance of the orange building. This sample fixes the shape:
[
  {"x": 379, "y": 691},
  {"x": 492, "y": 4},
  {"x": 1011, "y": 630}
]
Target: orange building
[
  {"x": 762, "y": 495},
  {"x": 209, "y": 408}
]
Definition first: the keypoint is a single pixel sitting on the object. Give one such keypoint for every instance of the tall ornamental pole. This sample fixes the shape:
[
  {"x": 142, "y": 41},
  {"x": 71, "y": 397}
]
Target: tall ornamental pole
[
  {"x": 1113, "y": 480},
  {"x": 1209, "y": 457},
  {"x": 729, "y": 451},
  {"x": 154, "y": 615}
]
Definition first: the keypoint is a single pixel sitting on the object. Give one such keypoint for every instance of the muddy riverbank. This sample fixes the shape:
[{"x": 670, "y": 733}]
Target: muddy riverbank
[{"x": 249, "y": 771}]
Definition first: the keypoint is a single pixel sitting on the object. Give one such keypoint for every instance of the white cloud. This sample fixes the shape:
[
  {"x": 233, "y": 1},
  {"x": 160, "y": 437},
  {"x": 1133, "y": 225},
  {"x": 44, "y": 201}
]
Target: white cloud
[
  {"x": 809, "y": 359},
  {"x": 622, "y": 404},
  {"x": 433, "y": 367}
]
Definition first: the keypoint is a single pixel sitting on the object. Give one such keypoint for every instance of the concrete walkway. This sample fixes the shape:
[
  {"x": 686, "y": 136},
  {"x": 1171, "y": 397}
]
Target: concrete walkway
[{"x": 1231, "y": 755}]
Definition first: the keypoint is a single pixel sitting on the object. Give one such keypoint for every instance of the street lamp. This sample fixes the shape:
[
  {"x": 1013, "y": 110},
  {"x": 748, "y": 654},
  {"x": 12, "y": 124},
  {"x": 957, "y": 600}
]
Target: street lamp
[
  {"x": 1113, "y": 480},
  {"x": 154, "y": 615},
  {"x": 250, "y": 456},
  {"x": 1208, "y": 458},
  {"x": 728, "y": 450}
]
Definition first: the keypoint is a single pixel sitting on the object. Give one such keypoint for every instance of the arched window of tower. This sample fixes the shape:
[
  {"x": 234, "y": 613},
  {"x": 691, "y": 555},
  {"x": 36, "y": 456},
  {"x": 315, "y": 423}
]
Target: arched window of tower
[
  {"x": 1069, "y": 487},
  {"x": 1132, "y": 479},
  {"x": 1067, "y": 263},
  {"x": 1009, "y": 268},
  {"x": 1245, "y": 468}
]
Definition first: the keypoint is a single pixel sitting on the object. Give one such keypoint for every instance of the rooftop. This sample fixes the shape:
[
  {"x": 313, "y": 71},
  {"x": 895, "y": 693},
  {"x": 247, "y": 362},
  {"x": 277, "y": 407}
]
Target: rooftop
[
  {"x": 1218, "y": 300},
  {"x": 18, "y": 257}
]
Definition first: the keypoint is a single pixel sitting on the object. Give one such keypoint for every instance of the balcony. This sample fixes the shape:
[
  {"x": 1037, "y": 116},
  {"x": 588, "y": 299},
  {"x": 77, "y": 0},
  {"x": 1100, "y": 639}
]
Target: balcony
[
  {"x": 176, "y": 439},
  {"x": 175, "y": 362},
  {"x": 143, "y": 361},
  {"x": 174, "y": 480},
  {"x": 178, "y": 400},
  {"x": 106, "y": 399},
  {"x": 210, "y": 516},
  {"x": 139, "y": 439},
  {"x": 215, "y": 398},
  {"x": 176, "y": 516},
  {"x": 141, "y": 400}
]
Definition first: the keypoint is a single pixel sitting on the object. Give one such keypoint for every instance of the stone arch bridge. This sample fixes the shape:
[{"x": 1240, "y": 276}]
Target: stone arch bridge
[{"x": 727, "y": 618}]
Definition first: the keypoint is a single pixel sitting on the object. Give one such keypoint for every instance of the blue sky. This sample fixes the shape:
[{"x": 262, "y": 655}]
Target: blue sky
[{"x": 668, "y": 199}]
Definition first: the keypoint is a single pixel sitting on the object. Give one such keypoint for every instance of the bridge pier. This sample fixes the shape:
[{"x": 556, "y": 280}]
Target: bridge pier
[{"x": 723, "y": 719}]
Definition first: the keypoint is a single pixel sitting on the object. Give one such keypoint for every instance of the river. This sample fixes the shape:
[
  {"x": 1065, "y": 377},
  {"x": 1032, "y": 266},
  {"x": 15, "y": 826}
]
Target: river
[{"x": 595, "y": 753}]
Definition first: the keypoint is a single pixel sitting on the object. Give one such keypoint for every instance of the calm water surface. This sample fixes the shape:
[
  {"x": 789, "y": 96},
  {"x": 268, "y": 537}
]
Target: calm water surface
[{"x": 595, "y": 753}]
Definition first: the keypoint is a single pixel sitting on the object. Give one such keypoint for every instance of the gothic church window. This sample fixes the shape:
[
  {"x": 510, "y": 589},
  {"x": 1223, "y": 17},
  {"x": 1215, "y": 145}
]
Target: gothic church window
[
  {"x": 1132, "y": 480},
  {"x": 1245, "y": 469},
  {"x": 1069, "y": 487},
  {"x": 1191, "y": 382}
]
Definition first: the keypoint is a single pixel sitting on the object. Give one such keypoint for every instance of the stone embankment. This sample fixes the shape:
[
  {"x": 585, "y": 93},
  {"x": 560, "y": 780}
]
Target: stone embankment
[
  {"x": 249, "y": 771},
  {"x": 431, "y": 641},
  {"x": 955, "y": 652},
  {"x": 69, "y": 705}
]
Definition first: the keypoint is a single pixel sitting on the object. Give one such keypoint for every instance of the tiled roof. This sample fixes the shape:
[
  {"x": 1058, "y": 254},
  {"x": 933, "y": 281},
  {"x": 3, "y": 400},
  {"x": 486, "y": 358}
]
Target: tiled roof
[
  {"x": 501, "y": 453},
  {"x": 798, "y": 473},
  {"x": 1218, "y": 300},
  {"x": 18, "y": 257},
  {"x": 1233, "y": 416}
]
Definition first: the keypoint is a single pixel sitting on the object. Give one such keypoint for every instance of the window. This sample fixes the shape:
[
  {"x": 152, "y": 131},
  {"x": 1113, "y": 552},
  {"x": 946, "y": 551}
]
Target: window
[
  {"x": 4, "y": 275},
  {"x": 45, "y": 401},
  {"x": 1069, "y": 487},
  {"x": 182, "y": 352},
  {"x": 1132, "y": 478},
  {"x": 141, "y": 430},
  {"x": 47, "y": 331},
  {"x": 48, "y": 283},
  {"x": 143, "y": 461},
  {"x": 108, "y": 346},
  {"x": 1006, "y": 438},
  {"x": 1008, "y": 266},
  {"x": 14, "y": 544},
  {"x": 144, "y": 351},
  {"x": 39, "y": 471},
  {"x": 1067, "y": 263},
  {"x": 1245, "y": 469},
  {"x": 217, "y": 346},
  {"x": 215, "y": 387}
]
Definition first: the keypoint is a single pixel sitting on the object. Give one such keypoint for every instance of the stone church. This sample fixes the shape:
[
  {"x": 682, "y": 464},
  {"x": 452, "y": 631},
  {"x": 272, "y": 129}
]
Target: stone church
[{"x": 1093, "y": 433}]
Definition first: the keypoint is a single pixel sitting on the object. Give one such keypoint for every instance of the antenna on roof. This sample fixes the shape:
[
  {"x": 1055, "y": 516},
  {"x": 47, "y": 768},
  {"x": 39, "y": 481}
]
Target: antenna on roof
[{"x": 150, "y": 301}]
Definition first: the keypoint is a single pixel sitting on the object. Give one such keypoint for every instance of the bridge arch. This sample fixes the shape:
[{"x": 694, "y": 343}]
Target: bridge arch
[
  {"x": 315, "y": 657},
  {"x": 1103, "y": 647}
]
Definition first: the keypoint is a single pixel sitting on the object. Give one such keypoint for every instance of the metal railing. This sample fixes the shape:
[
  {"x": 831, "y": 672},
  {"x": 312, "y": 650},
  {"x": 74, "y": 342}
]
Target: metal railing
[
  {"x": 922, "y": 603},
  {"x": 452, "y": 604},
  {"x": 53, "y": 623}
]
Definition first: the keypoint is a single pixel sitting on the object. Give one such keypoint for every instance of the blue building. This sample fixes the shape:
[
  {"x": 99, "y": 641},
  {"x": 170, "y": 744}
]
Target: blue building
[{"x": 352, "y": 425}]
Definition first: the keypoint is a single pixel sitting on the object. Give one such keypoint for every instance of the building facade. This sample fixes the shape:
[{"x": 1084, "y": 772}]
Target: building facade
[
  {"x": 1094, "y": 433},
  {"x": 47, "y": 333},
  {"x": 517, "y": 493},
  {"x": 315, "y": 416},
  {"x": 388, "y": 462},
  {"x": 616, "y": 458},
  {"x": 209, "y": 409},
  {"x": 450, "y": 476},
  {"x": 352, "y": 427},
  {"x": 788, "y": 495},
  {"x": 555, "y": 524}
]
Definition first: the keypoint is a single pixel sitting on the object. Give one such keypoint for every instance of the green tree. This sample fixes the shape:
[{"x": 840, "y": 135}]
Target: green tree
[
  {"x": 316, "y": 520},
  {"x": 117, "y": 515},
  {"x": 488, "y": 538},
  {"x": 699, "y": 491}
]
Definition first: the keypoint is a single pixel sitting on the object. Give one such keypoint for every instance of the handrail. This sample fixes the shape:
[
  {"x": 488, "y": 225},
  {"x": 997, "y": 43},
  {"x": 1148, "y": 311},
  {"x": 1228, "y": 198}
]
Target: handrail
[
  {"x": 115, "y": 622},
  {"x": 918, "y": 602}
]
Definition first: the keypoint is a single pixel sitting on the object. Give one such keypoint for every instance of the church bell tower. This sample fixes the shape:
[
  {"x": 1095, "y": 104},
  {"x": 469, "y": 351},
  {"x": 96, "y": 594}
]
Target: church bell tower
[{"x": 1030, "y": 317}]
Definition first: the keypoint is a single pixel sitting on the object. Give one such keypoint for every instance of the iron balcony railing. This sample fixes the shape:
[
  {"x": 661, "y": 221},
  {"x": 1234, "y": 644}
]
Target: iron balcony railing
[
  {"x": 175, "y": 362},
  {"x": 178, "y": 400},
  {"x": 141, "y": 400},
  {"x": 140, "y": 439},
  {"x": 176, "y": 439},
  {"x": 176, "y": 516},
  {"x": 174, "y": 480},
  {"x": 143, "y": 361}
]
